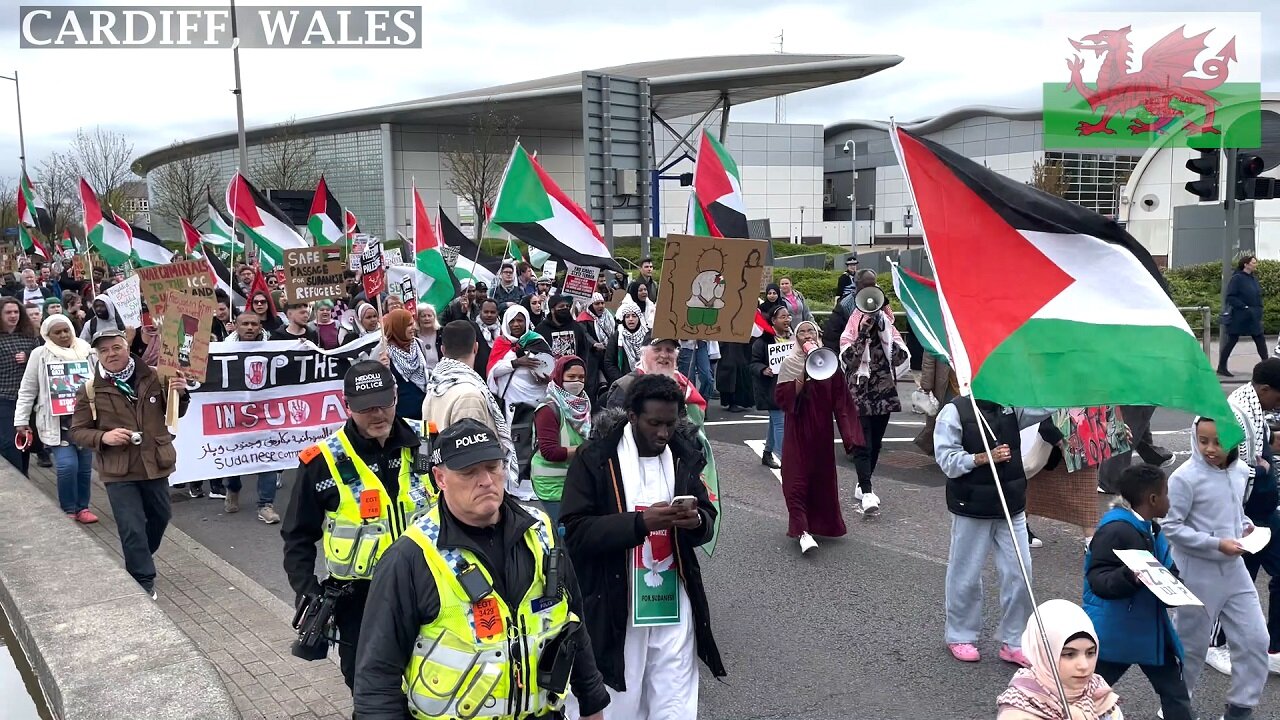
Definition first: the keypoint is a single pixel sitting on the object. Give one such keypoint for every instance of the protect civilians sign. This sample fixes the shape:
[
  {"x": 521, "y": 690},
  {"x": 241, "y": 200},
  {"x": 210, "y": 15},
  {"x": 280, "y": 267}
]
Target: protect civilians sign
[
  {"x": 314, "y": 274},
  {"x": 261, "y": 404}
]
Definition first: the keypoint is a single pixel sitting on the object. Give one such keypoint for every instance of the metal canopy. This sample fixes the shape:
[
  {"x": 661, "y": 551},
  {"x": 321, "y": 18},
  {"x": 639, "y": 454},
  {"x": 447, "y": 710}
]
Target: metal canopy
[{"x": 678, "y": 87}]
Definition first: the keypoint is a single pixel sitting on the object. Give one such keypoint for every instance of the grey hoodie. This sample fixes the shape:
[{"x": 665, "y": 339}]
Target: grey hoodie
[{"x": 1205, "y": 506}]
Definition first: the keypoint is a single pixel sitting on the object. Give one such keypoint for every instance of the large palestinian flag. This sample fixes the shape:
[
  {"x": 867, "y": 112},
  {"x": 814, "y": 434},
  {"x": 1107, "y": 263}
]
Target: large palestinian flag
[
  {"x": 32, "y": 212},
  {"x": 919, "y": 298},
  {"x": 261, "y": 221},
  {"x": 326, "y": 220},
  {"x": 473, "y": 264},
  {"x": 106, "y": 235},
  {"x": 434, "y": 285},
  {"x": 30, "y": 242},
  {"x": 535, "y": 210},
  {"x": 715, "y": 205},
  {"x": 1047, "y": 304},
  {"x": 148, "y": 250}
]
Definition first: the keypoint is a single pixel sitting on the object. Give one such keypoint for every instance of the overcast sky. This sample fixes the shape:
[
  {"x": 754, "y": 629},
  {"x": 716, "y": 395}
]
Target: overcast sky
[{"x": 955, "y": 53}]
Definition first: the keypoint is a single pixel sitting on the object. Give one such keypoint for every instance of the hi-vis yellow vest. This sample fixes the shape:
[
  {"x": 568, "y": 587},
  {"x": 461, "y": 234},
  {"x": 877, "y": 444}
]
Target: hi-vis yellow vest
[
  {"x": 547, "y": 476},
  {"x": 481, "y": 660},
  {"x": 368, "y": 520}
]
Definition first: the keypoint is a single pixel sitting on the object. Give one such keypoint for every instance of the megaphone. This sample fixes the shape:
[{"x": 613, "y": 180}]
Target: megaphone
[
  {"x": 870, "y": 300},
  {"x": 820, "y": 362}
]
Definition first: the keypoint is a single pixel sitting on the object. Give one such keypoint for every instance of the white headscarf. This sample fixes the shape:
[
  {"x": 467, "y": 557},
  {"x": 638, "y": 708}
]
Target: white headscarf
[{"x": 79, "y": 350}]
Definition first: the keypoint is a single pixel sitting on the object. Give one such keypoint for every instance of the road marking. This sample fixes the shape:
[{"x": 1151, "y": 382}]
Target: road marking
[
  {"x": 757, "y": 447},
  {"x": 714, "y": 423}
]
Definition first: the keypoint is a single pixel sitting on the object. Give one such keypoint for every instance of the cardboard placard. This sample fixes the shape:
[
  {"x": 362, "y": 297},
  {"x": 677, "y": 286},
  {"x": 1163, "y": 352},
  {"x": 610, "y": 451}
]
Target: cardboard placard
[
  {"x": 127, "y": 297},
  {"x": 579, "y": 281},
  {"x": 766, "y": 278},
  {"x": 710, "y": 287},
  {"x": 65, "y": 379},
  {"x": 372, "y": 271},
  {"x": 314, "y": 274},
  {"x": 185, "y": 336},
  {"x": 190, "y": 277},
  {"x": 8, "y": 260},
  {"x": 778, "y": 352}
]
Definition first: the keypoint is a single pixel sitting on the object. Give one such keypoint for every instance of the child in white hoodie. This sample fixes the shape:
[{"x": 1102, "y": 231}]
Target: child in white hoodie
[{"x": 1205, "y": 520}]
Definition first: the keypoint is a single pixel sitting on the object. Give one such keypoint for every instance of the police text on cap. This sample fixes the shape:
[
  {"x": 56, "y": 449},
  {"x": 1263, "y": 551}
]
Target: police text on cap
[
  {"x": 470, "y": 440},
  {"x": 372, "y": 381}
]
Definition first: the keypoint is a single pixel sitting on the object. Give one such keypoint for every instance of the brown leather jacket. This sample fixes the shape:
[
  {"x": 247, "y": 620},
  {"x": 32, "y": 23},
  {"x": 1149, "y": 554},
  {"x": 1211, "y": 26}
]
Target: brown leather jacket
[{"x": 156, "y": 457}]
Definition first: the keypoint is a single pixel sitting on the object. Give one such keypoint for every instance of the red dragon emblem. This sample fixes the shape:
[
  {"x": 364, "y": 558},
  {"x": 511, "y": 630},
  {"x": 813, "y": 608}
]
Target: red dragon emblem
[{"x": 1150, "y": 93}]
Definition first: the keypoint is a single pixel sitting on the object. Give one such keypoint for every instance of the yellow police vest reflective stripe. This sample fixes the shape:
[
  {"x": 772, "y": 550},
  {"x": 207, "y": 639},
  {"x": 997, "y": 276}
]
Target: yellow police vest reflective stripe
[
  {"x": 548, "y": 477},
  {"x": 352, "y": 544},
  {"x": 457, "y": 671}
]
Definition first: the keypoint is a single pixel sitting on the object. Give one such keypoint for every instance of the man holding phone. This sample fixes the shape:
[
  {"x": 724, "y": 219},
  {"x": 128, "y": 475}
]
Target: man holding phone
[{"x": 635, "y": 507}]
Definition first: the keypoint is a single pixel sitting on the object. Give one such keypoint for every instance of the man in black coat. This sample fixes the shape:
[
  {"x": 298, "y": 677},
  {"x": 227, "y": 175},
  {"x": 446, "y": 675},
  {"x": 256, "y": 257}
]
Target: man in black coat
[{"x": 635, "y": 509}]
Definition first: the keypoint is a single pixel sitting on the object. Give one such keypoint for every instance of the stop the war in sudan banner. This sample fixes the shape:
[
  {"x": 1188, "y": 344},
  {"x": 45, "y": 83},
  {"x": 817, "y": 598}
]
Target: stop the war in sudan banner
[{"x": 261, "y": 404}]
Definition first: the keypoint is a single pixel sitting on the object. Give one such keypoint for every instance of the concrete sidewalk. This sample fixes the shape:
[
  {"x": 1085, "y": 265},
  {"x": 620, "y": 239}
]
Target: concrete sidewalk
[
  {"x": 240, "y": 626},
  {"x": 1243, "y": 357}
]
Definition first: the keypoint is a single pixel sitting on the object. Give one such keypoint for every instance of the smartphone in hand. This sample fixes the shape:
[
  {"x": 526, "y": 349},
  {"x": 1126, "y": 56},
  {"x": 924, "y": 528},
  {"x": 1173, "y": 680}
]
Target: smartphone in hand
[{"x": 685, "y": 502}]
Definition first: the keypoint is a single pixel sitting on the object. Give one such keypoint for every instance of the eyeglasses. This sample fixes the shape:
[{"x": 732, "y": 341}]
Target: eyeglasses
[{"x": 383, "y": 409}]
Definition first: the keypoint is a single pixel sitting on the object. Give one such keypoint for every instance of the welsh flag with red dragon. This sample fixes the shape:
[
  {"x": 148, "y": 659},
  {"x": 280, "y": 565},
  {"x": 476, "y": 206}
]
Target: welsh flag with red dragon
[{"x": 1047, "y": 304}]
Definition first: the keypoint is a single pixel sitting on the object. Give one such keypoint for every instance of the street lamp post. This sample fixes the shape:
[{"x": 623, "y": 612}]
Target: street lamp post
[
  {"x": 853, "y": 205},
  {"x": 907, "y": 221},
  {"x": 22, "y": 145},
  {"x": 800, "y": 239}
]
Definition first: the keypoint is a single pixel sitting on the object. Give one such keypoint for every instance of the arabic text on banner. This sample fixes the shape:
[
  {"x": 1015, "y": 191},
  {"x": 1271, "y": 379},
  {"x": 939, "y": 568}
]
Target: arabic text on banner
[{"x": 261, "y": 404}]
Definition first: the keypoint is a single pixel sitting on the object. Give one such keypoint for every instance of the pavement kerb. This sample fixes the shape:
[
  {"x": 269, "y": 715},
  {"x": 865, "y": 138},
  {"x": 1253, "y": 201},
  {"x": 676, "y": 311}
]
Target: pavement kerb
[{"x": 100, "y": 647}]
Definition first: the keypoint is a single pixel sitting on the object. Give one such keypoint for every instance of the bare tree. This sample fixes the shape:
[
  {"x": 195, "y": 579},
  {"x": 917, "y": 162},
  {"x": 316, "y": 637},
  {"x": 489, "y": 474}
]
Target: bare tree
[
  {"x": 1049, "y": 176},
  {"x": 477, "y": 160},
  {"x": 56, "y": 184},
  {"x": 179, "y": 189},
  {"x": 103, "y": 158},
  {"x": 8, "y": 202},
  {"x": 287, "y": 161}
]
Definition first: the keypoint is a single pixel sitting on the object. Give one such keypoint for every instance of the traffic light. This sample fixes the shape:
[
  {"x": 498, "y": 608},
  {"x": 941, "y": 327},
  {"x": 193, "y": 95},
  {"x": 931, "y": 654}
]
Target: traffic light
[
  {"x": 1248, "y": 185},
  {"x": 1207, "y": 166}
]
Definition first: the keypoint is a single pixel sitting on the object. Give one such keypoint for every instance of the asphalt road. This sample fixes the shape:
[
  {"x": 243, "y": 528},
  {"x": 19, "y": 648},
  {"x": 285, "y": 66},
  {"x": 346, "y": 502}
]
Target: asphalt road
[{"x": 852, "y": 631}]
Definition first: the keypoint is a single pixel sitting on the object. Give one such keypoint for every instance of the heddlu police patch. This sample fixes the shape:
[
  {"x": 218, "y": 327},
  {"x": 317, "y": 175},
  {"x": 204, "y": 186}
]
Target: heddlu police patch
[{"x": 370, "y": 381}]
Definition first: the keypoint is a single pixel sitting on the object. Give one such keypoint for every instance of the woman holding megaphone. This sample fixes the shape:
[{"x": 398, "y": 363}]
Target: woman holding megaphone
[{"x": 810, "y": 397}]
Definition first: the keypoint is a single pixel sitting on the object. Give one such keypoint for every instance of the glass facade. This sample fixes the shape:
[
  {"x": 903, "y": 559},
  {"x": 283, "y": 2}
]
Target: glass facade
[
  {"x": 351, "y": 162},
  {"x": 1094, "y": 179}
]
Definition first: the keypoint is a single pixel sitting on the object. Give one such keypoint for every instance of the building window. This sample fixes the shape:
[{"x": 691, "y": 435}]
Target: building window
[{"x": 1095, "y": 180}]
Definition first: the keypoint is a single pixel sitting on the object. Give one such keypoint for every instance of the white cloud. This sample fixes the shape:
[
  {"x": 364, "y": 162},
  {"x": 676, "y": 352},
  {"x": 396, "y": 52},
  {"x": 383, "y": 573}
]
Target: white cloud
[{"x": 976, "y": 53}]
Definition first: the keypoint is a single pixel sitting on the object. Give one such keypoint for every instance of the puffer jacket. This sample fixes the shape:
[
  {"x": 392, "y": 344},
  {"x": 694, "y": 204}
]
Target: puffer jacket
[{"x": 155, "y": 457}]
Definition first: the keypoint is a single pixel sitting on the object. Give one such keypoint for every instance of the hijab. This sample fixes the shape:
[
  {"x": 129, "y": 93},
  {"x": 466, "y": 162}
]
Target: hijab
[
  {"x": 79, "y": 349},
  {"x": 1035, "y": 690},
  {"x": 604, "y": 322},
  {"x": 633, "y": 290},
  {"x": 506, "y": 342},
  {"x": 357, "y": 325},
  {"x": 406, "y": 355},
  {"x": 631, "y": 342},
  {"x": 793, "y": 364},
  {"x": 574, "y": 409},
  {"x": 767, "y": 306}
]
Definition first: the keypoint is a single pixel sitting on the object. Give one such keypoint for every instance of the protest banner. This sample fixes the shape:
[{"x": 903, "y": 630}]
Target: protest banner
[
  {"x": 314, "y": 274},
  {"x": 358, "y": 244},
  {"x": 408, "y": 295},
  {"x": 710, "y": 287},
  {"x": 579, "y": 281},
  {"x": 372, "y": 270},
  {"x": 184, "y": 343},
  {"x": 188, "y": 276},
  {"x": 778, "y": 351},
  {"x": 8, "y": 260},
  {"x": 65, "y": 379},
  {"x": 261, "y": 404},
  {"x": 127, "y": 297}
]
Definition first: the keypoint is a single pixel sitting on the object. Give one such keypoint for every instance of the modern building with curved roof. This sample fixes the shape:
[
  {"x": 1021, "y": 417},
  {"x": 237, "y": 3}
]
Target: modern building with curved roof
[
  {"x": 1142, "y": 188},
  {"x": 371, "y": 156}
]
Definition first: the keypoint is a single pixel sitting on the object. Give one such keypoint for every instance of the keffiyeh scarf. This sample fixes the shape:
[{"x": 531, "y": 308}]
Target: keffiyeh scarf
[
  {"x": 409, "y": 363},
  {"x": 121, "y": 379},
  {"x": 1027, "y": 694},
  {"x": 450, "y": 372}
]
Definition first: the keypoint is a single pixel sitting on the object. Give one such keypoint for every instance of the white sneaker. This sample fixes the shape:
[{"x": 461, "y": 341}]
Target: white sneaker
[
  {"x": 154, "y": 596},
  {"x": 857, "y": 493},
  {"x": 870, "y": 504},
  {"x": 807, "y": 543},
  {"x": 1273, "y": 662},
  {"x": 1219, "y": 658}
]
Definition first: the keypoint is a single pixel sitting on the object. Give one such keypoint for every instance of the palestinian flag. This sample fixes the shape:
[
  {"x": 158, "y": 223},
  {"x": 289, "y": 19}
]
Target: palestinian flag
[
  {"x": 326, "y": 218},
  {"x": 1047, "y": 304},
  {"x": 435, "y": 285},
  {"x": 219, "y": 234},
  {"x": 919, "y": 297},
  {"x": 31, "y": 212},
  {"x": 472, "y": 264},
  {"x": 513, "y": 251},
  {"x": 262, "y": 222},
  {"x": 762, "y": 325},
  {"x": 190, "y": 236},
  {"x": 353, "y": 226},
  {"x": 110, "y": 239},
  {"x": 221, "y": 275},
  {"x": 148, "y": 250},
  {"x": 31, "y": 244},
  {"x": 68, "y": 242},
  {"x": 535, "y": 210},
  {"x": 715, "y": 205}
]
